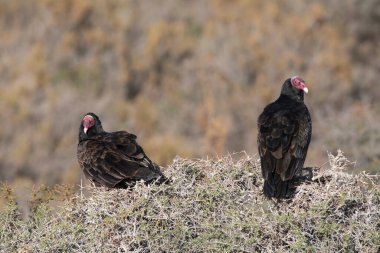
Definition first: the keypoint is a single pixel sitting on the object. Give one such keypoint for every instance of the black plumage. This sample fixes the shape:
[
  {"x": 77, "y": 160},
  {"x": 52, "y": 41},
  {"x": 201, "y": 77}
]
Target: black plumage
[
  {"x": 114, "y": 160},
  {"x": 284, "y": 132}
]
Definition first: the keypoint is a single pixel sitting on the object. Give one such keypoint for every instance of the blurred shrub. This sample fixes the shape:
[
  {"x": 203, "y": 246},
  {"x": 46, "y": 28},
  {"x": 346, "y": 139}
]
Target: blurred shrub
[{"x": 188, "y": 77}]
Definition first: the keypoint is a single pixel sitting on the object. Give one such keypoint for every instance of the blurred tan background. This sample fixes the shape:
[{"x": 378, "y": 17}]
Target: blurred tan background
[{"x": 189, "y": 77}]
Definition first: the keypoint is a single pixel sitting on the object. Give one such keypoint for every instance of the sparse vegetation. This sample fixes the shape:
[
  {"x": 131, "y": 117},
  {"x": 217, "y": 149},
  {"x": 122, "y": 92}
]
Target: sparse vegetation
[{"x": 211, "y": 206}]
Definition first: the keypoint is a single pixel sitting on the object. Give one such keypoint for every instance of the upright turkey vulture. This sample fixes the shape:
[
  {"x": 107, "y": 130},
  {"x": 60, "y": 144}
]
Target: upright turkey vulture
[
  {"x": 114, "y": 160},
  {"x": 284, "y": 132}
]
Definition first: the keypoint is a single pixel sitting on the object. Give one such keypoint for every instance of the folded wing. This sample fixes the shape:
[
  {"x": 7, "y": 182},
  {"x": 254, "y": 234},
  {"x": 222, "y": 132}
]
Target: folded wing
[
  {"x": 113, "y": 158},
  {"x": 283, "y": 140}
]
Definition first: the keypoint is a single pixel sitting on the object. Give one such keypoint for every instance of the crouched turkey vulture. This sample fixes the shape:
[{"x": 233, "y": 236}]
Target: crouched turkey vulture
[
  {"x": 114, "y": 160},
  {"x": 284, "y": 132}
]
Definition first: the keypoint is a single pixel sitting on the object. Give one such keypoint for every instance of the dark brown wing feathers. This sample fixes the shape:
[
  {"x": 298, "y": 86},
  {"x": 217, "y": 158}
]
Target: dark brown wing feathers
[
  {"x": 283, "y": 139},
  {"x": 109, "y": 159}
]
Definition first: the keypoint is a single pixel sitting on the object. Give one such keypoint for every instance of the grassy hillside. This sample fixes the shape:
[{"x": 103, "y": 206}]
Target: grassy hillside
[
  {"x": 211, "y": 206},
  {"x": 188, "y": 77}
]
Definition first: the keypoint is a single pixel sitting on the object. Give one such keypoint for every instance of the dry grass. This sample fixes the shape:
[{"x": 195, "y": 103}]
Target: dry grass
[{"x": 211, "y": 206}]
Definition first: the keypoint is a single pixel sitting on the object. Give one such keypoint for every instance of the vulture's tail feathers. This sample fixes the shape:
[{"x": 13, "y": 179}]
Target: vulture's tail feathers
[{"x": 274, "y": 187}]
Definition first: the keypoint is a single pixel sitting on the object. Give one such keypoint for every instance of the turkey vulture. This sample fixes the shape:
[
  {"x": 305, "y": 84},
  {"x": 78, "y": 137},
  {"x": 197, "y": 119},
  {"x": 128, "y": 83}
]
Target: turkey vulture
[
  {"x": 114, "y": 160},
  {"x": 284, "y": 132}
]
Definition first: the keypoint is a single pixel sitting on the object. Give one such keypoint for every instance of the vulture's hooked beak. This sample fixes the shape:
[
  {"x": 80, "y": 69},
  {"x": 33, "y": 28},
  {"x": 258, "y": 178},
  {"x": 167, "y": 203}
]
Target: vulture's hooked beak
[
  {"x": 306, "y": 90},
  {"x": 86, "y": 125}
]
